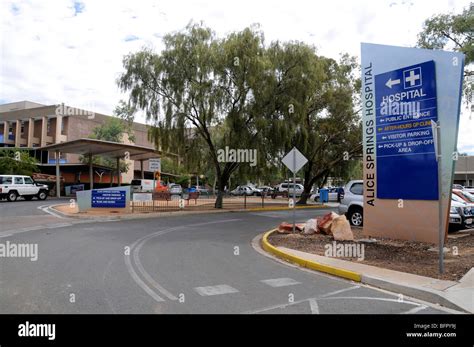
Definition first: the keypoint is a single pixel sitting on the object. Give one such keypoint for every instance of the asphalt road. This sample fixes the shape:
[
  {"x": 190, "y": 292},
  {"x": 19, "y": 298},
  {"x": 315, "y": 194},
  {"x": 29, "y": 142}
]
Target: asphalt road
[{"x": 187, "y": 264}]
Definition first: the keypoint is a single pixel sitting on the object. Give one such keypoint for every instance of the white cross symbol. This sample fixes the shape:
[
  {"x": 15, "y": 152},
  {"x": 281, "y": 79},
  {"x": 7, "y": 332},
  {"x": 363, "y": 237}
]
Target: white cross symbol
[{"x": 412, "y": 78}]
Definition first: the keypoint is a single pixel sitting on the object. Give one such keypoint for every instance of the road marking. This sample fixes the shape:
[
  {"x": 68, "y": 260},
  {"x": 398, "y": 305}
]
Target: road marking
[
  {"x": 145, "y": 274},
  {"x": 415, "y": 309},
  {"x": 47, "y": 209},
  {"x": 215, "y": 290},
  {"x": 136, "y": 247},
  {"x": 338, "y": 291},
  {"x": 313, "y": 304},
  {"x": 138, "y": 281},
  {"x": 370, "y": 298},
  {"x": 60, "y": 225},
  {"x": 273, "y": 307},
  {"x": 280, "y": 282},
  {"x": 19, "y": 231}
]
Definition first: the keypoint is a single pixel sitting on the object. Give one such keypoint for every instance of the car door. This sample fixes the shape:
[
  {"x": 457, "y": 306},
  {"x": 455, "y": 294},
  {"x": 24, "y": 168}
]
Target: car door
[
  {"x": 18, "y": 185},
  {"x": 333, "y": 194},
  {"x": 29, "y": 186}
]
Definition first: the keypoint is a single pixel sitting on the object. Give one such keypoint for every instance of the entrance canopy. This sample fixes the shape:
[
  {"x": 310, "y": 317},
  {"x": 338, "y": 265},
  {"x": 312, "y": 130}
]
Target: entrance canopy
[
  {"x": 87, "y": 147},
  {"x": 91, "y": 147}
]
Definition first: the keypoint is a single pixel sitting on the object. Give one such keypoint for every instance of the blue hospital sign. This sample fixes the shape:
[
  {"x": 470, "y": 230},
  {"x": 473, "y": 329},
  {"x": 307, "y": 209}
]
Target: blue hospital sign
[
  {"x": 406, "y": 102},
  {"x": 108, "y": 198}
]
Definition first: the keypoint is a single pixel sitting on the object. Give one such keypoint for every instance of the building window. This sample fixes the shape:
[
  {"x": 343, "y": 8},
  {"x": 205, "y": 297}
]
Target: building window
[
  {"x": 22, "y": 123},
  {"x": 48, "y": 126}
]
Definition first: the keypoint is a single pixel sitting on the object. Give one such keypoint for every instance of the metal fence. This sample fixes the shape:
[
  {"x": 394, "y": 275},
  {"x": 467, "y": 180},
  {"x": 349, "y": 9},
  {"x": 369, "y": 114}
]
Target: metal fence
[{"x": 156, "y": 202}]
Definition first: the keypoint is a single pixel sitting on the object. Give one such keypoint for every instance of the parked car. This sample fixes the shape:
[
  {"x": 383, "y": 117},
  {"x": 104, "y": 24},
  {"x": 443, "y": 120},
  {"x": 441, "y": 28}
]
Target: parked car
[
  {"x": 255, "y": 191},
  {"x": 469, "y": 189},
  {"x": 288, "y": 187},
  {"x": 175, "y": 189},
  {"x": 465, "y": 195},
  {"x": 332, "y": 194},
  {"x": 242, "y": 190},
  {"x": 465, "y": 210},
  {"x": 457, "y": 216},
  {"x": 141, "y": 186},
  {"x": 201, "y": 190},
  {"x": 352, "y": 204},
  {"x": 267, "y": 190},
  {"x": 455, "y": 219},
  {"x": 14, "y": 186}
]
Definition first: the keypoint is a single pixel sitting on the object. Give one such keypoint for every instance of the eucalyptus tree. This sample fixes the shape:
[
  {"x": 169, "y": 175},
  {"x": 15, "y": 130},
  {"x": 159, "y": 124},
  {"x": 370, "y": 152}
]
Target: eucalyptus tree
[
  {"x": 454, "y": 32},
  {"x": 203, "y": 92},
  {"x": 318, "y": 115}
]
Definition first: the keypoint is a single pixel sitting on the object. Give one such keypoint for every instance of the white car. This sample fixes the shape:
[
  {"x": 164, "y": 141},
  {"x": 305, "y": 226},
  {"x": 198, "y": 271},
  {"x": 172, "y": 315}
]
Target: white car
[
  {"x": 242, "y": 190},
  {"x": 14, "y": 186},
  {"x": 332, "y": 194},
  {"x": 175, "y": 188},
  {"x": 289, "y": 187}
]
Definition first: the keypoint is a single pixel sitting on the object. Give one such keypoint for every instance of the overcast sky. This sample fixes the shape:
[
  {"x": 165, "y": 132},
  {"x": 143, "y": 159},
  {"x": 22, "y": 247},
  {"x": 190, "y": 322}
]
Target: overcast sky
[{"x": 56, "y": 51}]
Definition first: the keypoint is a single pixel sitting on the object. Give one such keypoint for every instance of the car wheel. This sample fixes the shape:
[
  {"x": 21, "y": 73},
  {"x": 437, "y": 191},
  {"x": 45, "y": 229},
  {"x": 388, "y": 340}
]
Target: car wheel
[
  {"x": 356, "y": 217},
  {"x": 42, "y": 195},
  {"x": 316, "y": 199},
  {"x": 28, "y": 198},
  {"x": 12, "y": 196}
]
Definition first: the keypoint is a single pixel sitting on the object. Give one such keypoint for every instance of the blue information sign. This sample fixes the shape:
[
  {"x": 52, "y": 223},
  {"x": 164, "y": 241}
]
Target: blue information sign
[
  {"x": 406, "y": 102},
  {"x": 108, "y": 198}
]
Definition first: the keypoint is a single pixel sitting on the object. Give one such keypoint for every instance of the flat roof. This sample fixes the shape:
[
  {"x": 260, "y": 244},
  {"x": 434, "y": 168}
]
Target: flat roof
[{"x": 110, "y": 149}]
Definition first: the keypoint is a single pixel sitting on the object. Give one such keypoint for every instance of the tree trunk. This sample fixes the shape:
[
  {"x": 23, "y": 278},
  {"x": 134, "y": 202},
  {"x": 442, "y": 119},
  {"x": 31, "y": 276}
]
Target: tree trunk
[
  {"x": 308, "y": 183},
  {"x": 221, "y": 184}
]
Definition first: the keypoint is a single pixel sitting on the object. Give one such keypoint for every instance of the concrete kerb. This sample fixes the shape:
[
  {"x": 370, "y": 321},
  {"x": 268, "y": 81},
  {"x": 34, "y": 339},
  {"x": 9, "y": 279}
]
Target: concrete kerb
[
  {"x": 354, "y": 276},
  {"x": 425, "y": 294}
]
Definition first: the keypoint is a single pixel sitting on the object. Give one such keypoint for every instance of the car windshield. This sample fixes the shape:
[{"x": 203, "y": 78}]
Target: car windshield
[
  {"x": 457, "y": 198},
  {"x": 468, "y": 196}
]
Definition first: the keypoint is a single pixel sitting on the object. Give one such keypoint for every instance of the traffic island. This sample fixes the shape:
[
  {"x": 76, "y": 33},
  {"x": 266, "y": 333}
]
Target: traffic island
[{"x": 377, "y": 264}]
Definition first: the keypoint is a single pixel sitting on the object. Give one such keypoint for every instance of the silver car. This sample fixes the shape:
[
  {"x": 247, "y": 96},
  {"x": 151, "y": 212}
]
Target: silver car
[
  {"x": 175, "y": 189},
  {"x": 352, "y": 204}
]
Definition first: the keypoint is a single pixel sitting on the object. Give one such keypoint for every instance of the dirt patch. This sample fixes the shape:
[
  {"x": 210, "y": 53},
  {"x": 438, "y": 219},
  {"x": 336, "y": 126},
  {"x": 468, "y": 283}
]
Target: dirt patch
[{"x": 405, "y": 256}]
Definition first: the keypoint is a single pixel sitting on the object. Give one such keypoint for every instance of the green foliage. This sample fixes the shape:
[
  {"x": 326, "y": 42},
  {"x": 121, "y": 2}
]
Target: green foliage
[
  {"x": 455, "y": 32},
  {"x": 202, "y": 93},
  {"x": 113, "y": 130},
  {"x": 17, "y": 162},
  {"x": 126, "y": 113}
]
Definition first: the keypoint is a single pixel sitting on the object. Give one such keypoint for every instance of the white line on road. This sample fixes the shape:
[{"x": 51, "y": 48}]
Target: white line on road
[
  {"x": 280, "y": 282},
  {"x": 339, "y": 291},
  {"x": 47, "y": 209},
  {"x": 215, "y": 290},
  {"x": 370, "y": 298},
  {"x": 415, "y": 309},
  {"x": 60, "y": 225},
  {"x": 331, "y": 298},
  {"x": 313, "y": 304},
  {"x": 274, "y": 307},
  {"x": 138, "y": 281},
  {"x": 136, "y": 247}
]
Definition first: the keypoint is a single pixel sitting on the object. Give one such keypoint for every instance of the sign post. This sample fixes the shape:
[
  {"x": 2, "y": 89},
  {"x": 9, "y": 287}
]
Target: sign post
[
  {"x": 436, "y": 137},
  {"x": 154, "y": 164},
  {"x": 294, "y": 161},
  {"x": 407, "y": 185}
]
